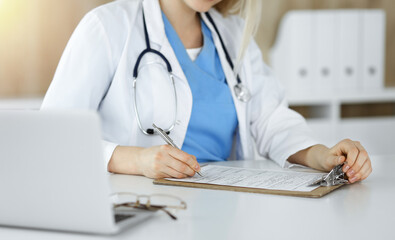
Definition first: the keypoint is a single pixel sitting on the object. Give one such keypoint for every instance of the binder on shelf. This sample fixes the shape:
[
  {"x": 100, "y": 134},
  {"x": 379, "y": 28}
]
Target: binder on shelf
[
  {"x": 373, "y": 42},
  {"x": 279, "y": 59},
  {"x": 348, "y": 47},
  {"x": 301, "y": 52},
  {"x": 324, "y": 36}
]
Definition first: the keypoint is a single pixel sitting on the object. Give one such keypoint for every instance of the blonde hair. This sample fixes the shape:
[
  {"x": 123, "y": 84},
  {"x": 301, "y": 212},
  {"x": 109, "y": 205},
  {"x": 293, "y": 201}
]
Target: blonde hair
[{"x": 250, "y": 10}]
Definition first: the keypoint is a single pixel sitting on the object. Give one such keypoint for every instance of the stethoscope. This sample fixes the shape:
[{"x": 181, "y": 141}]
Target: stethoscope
[{"x": 242, "y": 93}]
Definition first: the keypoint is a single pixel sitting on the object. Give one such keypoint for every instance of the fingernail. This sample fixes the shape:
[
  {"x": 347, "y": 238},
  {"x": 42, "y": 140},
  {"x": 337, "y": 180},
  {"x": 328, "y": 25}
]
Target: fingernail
[
  {"x": 346, "y": 168},
  {"x": 354, "y": 179},
  {"x": 351, "y": 173},
  {"x": 197, "y": 167}
]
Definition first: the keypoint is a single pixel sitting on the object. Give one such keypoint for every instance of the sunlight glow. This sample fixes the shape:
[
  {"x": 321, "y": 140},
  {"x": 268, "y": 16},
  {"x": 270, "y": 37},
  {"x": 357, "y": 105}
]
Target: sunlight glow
[{"x": 11, "y": 12}]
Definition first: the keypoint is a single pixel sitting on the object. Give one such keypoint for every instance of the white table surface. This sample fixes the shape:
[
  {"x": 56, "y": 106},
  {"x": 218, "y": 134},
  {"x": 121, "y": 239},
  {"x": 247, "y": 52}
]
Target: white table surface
[{"x": 363, "y": 210}]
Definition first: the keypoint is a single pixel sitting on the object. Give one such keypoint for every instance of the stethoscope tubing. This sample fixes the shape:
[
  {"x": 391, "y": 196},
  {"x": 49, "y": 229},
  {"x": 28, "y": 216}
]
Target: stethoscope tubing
[
  {"x": 151, "y": 131},
  {"x": 230, "y": 62}
]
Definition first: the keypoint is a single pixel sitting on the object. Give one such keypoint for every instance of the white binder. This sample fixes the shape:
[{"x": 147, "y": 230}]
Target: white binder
[
  {"x": 301, "y": 52},
  {"x": 373, "y": 42},
  {"x": 348, "y": 46},
  {"x": 279, "y": 54},
  {"x": 324, "y": 36}
]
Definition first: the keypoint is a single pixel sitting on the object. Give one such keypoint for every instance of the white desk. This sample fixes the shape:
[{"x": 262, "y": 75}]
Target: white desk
[
  {"x": 21, "y": 103},
  {"x": 359, "y": 211}
]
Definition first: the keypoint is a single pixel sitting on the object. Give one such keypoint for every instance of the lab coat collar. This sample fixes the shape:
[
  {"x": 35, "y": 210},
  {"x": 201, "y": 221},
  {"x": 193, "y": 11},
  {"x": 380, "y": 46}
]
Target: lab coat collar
[
  {"x": 153, "y": 18},
  {"x": 157, "y": 35}
]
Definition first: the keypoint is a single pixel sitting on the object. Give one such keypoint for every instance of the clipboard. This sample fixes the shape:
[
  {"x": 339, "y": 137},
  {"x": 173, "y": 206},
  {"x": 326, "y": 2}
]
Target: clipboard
[{"x": 316, "y": 193}]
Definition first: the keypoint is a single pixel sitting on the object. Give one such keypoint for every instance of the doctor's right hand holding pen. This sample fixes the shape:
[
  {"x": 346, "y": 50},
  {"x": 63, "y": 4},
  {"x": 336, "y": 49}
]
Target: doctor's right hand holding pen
[{"x": 154, "y": 162}]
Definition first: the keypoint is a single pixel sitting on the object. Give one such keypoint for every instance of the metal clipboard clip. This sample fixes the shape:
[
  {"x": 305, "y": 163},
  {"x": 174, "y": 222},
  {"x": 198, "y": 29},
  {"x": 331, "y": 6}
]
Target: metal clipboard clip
[{"x": 335, "y": 177}]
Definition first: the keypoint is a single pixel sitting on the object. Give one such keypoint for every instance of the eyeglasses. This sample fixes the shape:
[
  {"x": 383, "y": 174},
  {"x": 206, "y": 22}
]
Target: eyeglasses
[{"x": 152, "y": 202}]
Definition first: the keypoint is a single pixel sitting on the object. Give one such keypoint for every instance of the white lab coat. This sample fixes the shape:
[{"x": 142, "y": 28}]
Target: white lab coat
[{"x": 95, "y": 72}]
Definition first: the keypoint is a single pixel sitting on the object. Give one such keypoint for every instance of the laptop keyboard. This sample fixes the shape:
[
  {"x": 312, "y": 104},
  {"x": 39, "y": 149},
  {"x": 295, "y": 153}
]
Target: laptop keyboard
[{"x": 121, "y": 217}]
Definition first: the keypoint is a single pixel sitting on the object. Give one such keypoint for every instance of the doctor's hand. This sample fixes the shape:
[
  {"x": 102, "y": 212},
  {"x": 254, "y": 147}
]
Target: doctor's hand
[
  {"x": 154, "y": 162},
  {"x": 357, "y": 164}
]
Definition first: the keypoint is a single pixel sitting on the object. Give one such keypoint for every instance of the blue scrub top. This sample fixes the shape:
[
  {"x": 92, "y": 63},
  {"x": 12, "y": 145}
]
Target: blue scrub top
[{"x": 213, "y": 119}]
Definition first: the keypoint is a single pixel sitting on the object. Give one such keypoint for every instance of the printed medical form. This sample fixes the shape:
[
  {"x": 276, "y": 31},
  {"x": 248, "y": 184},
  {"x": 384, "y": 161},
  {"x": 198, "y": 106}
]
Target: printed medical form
[{"x": 255, "y": 178}]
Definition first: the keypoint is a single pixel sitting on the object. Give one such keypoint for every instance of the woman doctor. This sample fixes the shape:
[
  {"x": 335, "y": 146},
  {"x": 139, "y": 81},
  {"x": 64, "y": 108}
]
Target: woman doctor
[{"x": 193, "y": 69}]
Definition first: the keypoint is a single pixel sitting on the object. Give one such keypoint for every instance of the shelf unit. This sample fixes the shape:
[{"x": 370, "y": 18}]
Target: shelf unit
[{"x": 325, "y": 118}]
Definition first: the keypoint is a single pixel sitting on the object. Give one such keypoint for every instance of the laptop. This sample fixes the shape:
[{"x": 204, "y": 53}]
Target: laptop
[{"x": 53, "y": 175}]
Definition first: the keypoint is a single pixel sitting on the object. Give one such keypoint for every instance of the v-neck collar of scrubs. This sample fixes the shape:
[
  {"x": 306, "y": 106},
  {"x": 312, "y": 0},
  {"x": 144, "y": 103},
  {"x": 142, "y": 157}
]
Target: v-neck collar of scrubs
[{"x": 208, "y": 50}]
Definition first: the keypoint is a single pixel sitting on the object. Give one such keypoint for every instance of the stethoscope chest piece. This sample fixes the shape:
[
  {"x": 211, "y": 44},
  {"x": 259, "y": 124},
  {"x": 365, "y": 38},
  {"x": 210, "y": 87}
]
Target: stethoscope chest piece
[{"x": 242, "y": 93}]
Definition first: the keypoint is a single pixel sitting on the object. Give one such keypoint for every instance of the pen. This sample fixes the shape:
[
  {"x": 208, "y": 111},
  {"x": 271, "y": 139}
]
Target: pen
[{"x": 168, "y": 140}]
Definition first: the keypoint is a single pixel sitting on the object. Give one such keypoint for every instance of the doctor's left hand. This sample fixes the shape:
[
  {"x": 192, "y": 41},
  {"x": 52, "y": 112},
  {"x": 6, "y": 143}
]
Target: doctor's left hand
[
  {"x": 357, "y": 164},
  {"x": 153, "y": 162}
]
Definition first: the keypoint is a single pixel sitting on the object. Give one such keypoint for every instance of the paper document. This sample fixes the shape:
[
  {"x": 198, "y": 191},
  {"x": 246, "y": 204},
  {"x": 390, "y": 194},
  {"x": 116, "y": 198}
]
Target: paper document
[{"x": 255, "y": 178}]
